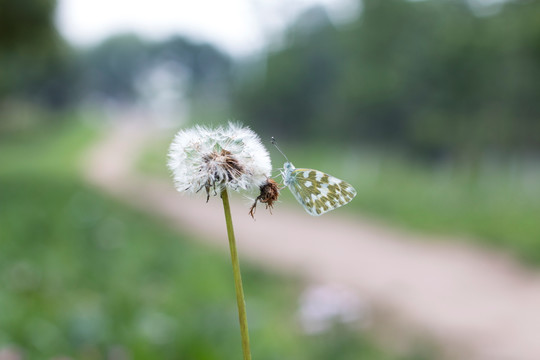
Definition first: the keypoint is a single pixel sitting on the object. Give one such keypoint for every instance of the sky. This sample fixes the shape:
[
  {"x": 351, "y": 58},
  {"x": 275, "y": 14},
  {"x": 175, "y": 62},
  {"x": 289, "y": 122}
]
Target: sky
[{"x": 240, "y": 27}]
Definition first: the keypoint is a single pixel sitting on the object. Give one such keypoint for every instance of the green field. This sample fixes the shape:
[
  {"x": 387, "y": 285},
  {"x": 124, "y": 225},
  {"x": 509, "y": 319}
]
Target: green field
[
  {"x": 496, "y": 204},
  {"x": 85, "y": 277}
]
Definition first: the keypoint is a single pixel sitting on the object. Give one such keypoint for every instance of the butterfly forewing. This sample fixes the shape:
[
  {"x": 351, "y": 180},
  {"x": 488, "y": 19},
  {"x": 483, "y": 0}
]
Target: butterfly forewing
[{"x": 319, "y": 192}]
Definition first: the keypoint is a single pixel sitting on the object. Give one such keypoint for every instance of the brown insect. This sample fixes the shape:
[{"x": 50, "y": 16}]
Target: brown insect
[{"x": 269, "y": 194}]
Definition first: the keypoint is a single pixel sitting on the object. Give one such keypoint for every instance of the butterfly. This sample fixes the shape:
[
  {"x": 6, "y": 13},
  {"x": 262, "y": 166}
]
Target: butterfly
[{"x": 315, "y": 190}]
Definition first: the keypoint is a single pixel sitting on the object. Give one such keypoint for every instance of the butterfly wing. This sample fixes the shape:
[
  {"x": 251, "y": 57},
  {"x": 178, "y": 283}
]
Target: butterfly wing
[{"x": 318, "y": 192}]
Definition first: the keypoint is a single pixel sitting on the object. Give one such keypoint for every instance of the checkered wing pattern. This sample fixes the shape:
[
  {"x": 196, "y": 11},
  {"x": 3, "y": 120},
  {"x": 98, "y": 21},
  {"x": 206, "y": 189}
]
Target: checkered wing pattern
[{"x": 318, "y": 192}]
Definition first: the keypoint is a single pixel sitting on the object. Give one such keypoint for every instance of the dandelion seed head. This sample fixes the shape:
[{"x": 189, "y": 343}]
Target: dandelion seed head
[{"x": 211, "y": 159}]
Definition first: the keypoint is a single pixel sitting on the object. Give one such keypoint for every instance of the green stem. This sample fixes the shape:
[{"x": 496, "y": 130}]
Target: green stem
[{"x": 242, "y": 317}]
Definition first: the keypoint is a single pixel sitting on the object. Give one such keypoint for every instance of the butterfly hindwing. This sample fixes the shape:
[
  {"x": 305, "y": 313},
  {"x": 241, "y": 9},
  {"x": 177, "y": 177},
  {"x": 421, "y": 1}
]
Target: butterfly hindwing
[{"x": 319, "y": 192}]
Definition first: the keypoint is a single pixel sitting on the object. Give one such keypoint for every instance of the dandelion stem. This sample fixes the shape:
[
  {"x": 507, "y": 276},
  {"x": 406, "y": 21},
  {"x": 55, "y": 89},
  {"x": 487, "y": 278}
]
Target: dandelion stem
[{"x": 242, "y": 317}]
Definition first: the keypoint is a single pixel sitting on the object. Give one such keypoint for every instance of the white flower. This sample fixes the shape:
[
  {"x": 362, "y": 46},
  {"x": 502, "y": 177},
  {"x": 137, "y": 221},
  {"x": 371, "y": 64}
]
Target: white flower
[{"x": 211, "y": 159}]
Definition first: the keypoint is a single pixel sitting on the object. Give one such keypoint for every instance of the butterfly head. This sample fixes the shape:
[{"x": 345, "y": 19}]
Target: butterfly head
[{"x": 288, "y": 168}]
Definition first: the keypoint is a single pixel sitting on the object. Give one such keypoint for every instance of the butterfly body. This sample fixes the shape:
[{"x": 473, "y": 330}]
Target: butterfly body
[{"x": 315, "y": 190}]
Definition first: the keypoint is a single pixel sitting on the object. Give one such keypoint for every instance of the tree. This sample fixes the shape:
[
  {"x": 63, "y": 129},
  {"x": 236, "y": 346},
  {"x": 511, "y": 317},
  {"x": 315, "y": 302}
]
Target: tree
[
  {"x": 33, "y": 57},
  {"x": 433, "y": 78}
]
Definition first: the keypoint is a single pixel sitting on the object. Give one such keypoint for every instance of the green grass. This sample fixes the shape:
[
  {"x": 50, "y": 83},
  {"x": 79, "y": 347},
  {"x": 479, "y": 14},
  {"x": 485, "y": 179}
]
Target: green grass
[
  {"x": 84, "y": 276},
  {"x": 53, "y": 149},
  {"x": 153, "y": 159},
  {"x": 496, "y": 205}
]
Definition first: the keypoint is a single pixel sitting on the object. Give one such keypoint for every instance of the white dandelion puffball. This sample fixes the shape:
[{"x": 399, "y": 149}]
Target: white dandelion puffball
[{"x": 212, "y": 159}]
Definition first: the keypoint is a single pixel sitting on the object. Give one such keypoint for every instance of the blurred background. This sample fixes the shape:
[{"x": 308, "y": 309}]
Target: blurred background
[{"x": 429, "y": 108}]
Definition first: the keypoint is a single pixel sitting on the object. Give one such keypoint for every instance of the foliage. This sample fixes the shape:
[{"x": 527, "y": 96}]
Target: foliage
[
  {"x": 36, "y": 64},
  {"x": 430, "y": 77},
  {"x": 116, "y": 69},
  {"x": 39, "y": 68}
]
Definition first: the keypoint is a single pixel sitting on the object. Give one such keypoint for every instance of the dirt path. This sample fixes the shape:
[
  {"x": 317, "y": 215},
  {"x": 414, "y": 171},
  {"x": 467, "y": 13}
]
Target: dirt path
[{"x": 476, "y": 304}]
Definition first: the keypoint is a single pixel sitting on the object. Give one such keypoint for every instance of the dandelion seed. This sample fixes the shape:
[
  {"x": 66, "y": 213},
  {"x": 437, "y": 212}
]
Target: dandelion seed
[{"x": 213, "y": 159}]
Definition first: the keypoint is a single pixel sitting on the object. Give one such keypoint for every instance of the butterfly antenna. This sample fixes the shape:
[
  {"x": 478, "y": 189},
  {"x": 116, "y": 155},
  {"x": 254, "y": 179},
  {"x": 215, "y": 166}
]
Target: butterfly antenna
[{"x": 275, "y": 144}]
